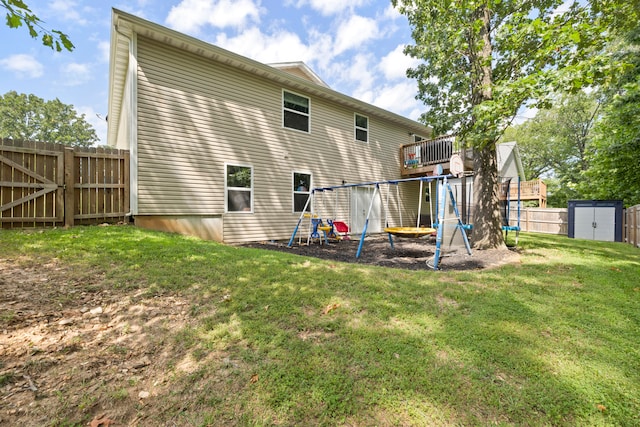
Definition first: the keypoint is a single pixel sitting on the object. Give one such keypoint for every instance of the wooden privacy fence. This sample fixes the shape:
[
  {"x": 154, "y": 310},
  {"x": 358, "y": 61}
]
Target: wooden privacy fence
[
  {"x": 631, "y": 227},
  {"x": 555, "y": 221},
  {"x": 541, "y": 220},
  {"x": 44, "y": 184}
]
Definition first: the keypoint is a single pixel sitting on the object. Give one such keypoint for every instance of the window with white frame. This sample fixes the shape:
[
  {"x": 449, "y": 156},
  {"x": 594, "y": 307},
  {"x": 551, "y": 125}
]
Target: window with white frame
[
  {"x": 361, "y": 128},
  {"x": 295, "y": 111},
  {"x": 301, "y": 191},
  {"x": 239, "y": 185}
]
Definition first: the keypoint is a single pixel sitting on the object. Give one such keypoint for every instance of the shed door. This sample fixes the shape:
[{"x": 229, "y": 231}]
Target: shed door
[
  {"x": 361, "y": 198},
  {"x": 604, "y": 219},
  {"x": 583, "y": 223},
  {"x": 595, "y": 223}
]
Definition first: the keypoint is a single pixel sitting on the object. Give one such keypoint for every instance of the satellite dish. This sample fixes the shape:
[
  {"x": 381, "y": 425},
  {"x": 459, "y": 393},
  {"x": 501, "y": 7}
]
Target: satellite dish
[{"x": 456, "y": 165}]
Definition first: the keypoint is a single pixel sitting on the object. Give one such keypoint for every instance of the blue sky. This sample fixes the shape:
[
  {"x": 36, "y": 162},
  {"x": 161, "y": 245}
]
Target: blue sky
[{"x": 355, "y": 46}]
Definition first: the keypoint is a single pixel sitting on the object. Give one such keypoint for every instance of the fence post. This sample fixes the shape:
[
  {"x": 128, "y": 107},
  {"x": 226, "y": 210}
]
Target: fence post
[
  {"x": 626, "y": 231},
  {"x": 634, "y": 224},
  {"x": 69, "y": 190}
]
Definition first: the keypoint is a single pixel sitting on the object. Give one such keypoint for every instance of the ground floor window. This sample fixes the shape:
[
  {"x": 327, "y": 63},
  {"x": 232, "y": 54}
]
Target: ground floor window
[
  {"x": 301, "y": 191},
  {"x": 239, "y": 188}
]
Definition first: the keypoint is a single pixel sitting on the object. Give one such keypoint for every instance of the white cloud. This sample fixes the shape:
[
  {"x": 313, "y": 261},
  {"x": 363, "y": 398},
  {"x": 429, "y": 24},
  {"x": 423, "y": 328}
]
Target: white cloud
[
  {"x": 331, "y": 7},
  {"x": 68, "y": 10},
  {"x": 395, "y": 64},
  {"x": 22, "y": 65},
  {"x": 191, "y": 15},
  {"x": 392, "y": 13},
  {"x": 76, "y": 74},
  {"x": 358, "y": 72},
  {"x": 354, "y": 32},
  {"x": 321, "y": 49},
  {"x": 524, "y": 113},
  {"x": 415, "y": 113},
  {"x": 398, "y": 98},
  {"x": 280, "y": 47}
]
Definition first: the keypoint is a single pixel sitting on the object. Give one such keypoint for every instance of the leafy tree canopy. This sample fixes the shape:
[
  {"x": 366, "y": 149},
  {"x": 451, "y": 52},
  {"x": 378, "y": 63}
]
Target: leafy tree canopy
[
  {"x": 588, "y": 146},
  {"x": 483, "y": 60},
  {"x": 18, "y": 13},
  {"x": 29, "y": 117},
  {"x": 555, "y": 144},
  {"x": 615, "y": 150}
]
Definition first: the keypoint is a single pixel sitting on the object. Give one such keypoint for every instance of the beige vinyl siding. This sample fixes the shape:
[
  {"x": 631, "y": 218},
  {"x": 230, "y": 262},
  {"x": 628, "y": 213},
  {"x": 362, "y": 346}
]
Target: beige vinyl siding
[
  {"x": 297, "y": 72},
  {"x": 195, "y": 114}
]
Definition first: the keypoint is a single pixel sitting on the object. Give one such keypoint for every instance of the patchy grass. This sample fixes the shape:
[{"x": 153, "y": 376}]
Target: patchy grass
[{"x": 239, "y": 336}]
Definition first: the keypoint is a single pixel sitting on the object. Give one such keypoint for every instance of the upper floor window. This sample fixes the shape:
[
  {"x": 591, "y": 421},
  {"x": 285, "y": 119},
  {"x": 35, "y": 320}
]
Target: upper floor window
[
  {"x": 239, "y": 184},
  {"x": 362, "y": 128},
  {"x": 295, "y": 111}
]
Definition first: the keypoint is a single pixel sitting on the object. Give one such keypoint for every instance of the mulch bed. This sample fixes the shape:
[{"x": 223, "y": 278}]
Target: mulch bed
[{"x": 408, "y": 253}]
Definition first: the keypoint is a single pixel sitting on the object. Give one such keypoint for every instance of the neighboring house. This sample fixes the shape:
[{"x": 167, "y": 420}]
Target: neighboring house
[
  {"x": 227, "y": 148},
  {"x": 509, "y": 162},
  {"x": 510, "y": 169}
]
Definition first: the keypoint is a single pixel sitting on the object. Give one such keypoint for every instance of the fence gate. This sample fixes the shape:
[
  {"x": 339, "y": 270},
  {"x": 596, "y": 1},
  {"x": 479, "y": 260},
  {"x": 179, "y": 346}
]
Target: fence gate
[
  {"x": 31, "y": 184},
  {"x": 45, "y": 185}
]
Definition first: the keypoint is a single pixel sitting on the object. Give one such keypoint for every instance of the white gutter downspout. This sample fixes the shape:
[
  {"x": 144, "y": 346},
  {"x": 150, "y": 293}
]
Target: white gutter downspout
[{"x": 129, "y": 113}]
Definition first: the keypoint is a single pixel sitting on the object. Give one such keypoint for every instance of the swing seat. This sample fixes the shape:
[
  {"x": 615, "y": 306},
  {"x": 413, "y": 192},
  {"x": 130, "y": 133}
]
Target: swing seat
[
  {"x": 318, "y": 226},
  {"x": 341, "y": 228},
  {"x": 413, "y": 232}
]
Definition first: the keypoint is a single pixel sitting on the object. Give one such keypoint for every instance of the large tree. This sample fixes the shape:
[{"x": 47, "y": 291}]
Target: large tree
[
  {"x": 614, "y": 157},
  {"x": 19, "y": 13},
  {"x": 555, "y": 144},
  {"x": 28, "y": 117},
  {"x": 482, "y": 60}
]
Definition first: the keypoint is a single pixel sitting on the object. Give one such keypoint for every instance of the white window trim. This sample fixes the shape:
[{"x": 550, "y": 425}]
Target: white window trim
[
  {"x": 356, "y": 128},
  {"x": 294, "y": 192},
  {"x": 227, "y": 188},
  {"x": 283, "y": 109}
]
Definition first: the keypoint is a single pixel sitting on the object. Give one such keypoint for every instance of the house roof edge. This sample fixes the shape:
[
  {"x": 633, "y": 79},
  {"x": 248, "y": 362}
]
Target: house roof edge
[{"x": 149, "y": 29}]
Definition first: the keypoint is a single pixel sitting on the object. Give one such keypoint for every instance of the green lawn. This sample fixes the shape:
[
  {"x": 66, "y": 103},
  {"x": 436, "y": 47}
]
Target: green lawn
[{"x": 277, "y": 339}]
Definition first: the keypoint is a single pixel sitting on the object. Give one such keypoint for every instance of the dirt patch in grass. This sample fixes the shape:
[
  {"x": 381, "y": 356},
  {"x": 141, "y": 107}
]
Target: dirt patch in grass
[
  {"x": 407, "y": 253},
  {"x": 72, "y": 350}
]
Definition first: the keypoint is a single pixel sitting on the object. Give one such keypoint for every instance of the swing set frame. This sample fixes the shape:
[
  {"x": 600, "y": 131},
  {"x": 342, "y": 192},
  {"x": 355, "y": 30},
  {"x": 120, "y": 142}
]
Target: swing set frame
[{"x": 443, "y": 190}]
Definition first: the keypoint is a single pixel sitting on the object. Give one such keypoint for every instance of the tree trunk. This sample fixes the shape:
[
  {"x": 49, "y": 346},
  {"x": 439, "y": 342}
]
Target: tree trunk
[{"x": 487, "y": 223}]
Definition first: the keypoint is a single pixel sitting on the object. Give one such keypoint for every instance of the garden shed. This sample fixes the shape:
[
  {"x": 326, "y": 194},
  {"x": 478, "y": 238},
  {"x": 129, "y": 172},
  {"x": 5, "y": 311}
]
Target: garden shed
[{"x": 595, "y": 220}]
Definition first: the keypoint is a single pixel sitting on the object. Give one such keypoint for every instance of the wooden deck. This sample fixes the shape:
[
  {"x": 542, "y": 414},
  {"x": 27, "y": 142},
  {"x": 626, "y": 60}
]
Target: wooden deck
[
  {"x": 422, "y": 157},
  {"x": 530, "y": 190}
]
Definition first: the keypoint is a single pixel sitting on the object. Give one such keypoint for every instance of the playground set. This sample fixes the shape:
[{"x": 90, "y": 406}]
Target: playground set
[{"x": 448, "y": 227}]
